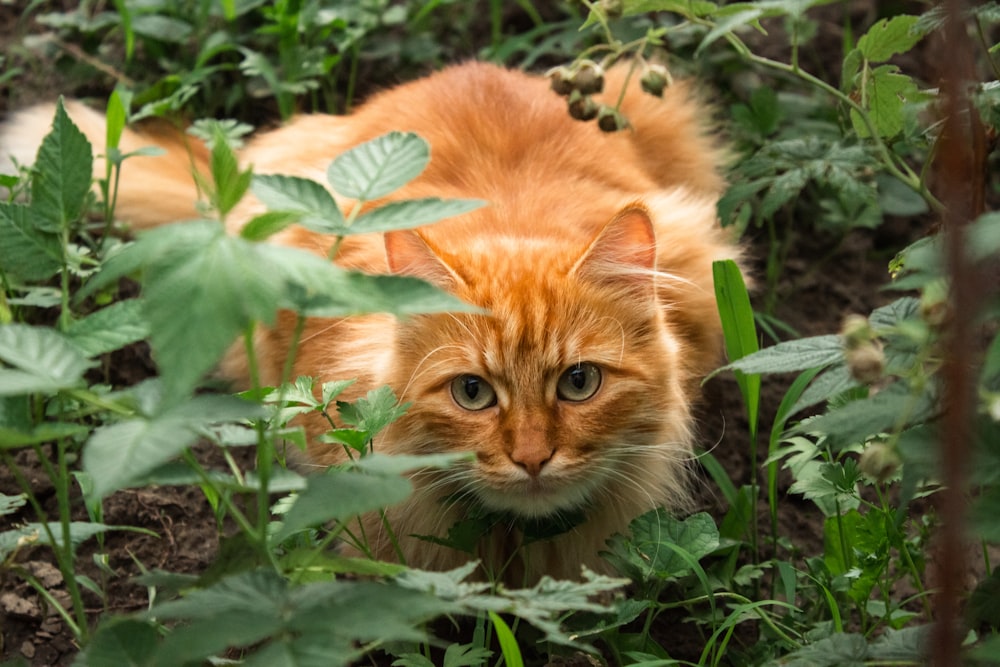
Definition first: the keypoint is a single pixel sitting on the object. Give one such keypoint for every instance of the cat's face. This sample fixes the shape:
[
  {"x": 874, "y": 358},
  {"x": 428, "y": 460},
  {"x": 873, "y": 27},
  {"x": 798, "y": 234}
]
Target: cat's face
[{"x": 566, "y": 392}]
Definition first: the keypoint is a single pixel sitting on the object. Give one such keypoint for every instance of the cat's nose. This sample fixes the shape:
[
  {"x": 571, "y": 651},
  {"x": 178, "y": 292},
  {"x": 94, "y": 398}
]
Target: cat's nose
[{"x": 531, "y": 457}]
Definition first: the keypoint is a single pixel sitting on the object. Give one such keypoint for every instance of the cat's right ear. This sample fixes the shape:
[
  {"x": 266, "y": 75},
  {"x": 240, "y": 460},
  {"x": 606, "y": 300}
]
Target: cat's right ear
[{"x": 408, "y": 254}]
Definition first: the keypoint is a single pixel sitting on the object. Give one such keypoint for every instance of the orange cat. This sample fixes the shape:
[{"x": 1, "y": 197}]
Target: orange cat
[{"x": 593, "y": 260}]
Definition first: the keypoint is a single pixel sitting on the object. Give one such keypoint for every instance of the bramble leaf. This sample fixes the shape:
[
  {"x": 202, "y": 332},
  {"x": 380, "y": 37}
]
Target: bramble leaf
[
  {"x": 411, "y": 213},
  {"x": 43, "y": 360},
  {"x": 27, "y": 252},
  {"x": 380, "y": 166},
  {"x": 888, "y": 37},
  {"x": 64, "y": 169}
]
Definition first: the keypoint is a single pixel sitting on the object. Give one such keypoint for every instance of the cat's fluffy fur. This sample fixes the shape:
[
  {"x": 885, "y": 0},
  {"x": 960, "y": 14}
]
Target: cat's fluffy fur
[{"x": 595, "y": 248}]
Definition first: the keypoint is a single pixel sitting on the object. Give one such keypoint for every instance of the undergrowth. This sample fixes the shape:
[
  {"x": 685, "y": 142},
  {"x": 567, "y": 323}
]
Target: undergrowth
[{"x": 858, "y": 431}]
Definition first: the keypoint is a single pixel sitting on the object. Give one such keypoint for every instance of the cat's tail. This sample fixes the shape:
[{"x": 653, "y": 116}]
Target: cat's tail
[{"x": 153, "y": 190}]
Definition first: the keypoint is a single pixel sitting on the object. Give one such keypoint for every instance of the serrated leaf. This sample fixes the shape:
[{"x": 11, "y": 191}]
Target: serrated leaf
[
  {"x": 340, "y": 495},
  {"x": 888, "y": 37},
  {"x": 34, "y": 533},
  {"x": 643, "y": 553},
  {"x": 63, "y": 172},
  {"x": 202, "y": 289},
  {"x": 265, "y": 225},
  {"x": 122, "y": 641},
  {"x": 326, "y": 290},
  {"x": 828, "y": 384},
  {"x": 373, "y": 412},
  {"x": 411, "y": 213},
  {"x": 110, "y": 328},
  {"x": 248, "y": 608},
  {"x": 11, "y": 504},
  {"x": 839, "y": 650},
  {"x": 380, "y": 166},
  {"x": 230, "y": 182},
  {"x": 43, "y": 360},
  {"x": 123, "y": 453},
  {"x": 45, "y": 432},
  {"x": 27, "y": 252},
  {"x": 317, "y": 209},
  {"x": 886, "y": 91},
  {"x": 161, "y": 28},
  {"x": 859, "y": 420},
  {"x": 793, "y": 355}
]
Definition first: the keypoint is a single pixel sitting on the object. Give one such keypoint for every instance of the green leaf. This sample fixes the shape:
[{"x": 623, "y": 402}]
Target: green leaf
[
  {"x": 27, "y": 252},
  {"x": 888, "y": 37},
  {"x": 63, "y": 173},
  {"x": 46, "y": 432},
  {"x": 373, "y": 412},
  {"x": 161, "y": 28},
  {"x": 739, "y": 329},
  {"x": 34, "y": 533},
  {"x": 110, "y": 328},
  {"x": 508, "y": 644},
  {"x": 839, "y": 650},
  {"x": 115, "y": 118},
  {"x": 202, "y": 289},
  {"x": 339, "y": 495},
  {"x": 644, "y": 555},
  {"x": 793, "y": 355},
  {"x": 323, "y": 289},
  {"x": 265, "y": 225},
  {"x": 230, "y": 182},
  {"x": 411, "y": 213},
  {"x": 122, "y": 454},
  {"x": 886, "y": 91},
  {"x": 320, "y": 623},
  {"x": 11, "y": 504},
  {"x": 315, "y": 205},
  {"x": 43, "y": 360},
  {"x": 123, "y": 641},
  {"x": 831, "y": 382},
  {"x": 380, "y": 166},
  {"x": 894, "y": 407}
]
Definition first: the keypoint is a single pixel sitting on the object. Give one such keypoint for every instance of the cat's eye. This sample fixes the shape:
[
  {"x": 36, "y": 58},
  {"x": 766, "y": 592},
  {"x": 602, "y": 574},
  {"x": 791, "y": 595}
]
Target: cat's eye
[
  {"x": 579, "y": 382},
  {"x": 473, "y": 392}
]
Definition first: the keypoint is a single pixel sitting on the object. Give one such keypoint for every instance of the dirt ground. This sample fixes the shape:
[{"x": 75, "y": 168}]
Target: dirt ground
[{"x": 817, "y": 289}]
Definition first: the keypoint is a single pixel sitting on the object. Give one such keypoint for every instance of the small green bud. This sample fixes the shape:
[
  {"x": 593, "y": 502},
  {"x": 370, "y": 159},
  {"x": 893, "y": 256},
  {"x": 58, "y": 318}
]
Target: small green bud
[
  {"x": 610, "y": 119},
  {"x": 589, "y": 77},
  {"x": 655, "y": 79},
  {"x": 879, "y": 461},
  {"x": 561, "y": 80},
  {"x": 582, "y": 107}
]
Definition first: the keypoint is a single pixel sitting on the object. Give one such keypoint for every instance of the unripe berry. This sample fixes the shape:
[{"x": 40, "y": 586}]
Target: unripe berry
[
  {"x": 561, "y": 80},
  {"x": 655, "y": 79},
  {"x": 582, "y": 107},
  {"x": 610, "y": 120},
  {"x": 589, "y": 78},
  {"x": 866, "y": 362},
  {"x": 879, "y": 461},
  {"x": 856, "y": 330}
]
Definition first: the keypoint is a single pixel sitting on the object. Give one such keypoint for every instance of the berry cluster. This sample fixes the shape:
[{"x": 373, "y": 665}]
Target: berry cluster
[{"x": 580, "y": 80}]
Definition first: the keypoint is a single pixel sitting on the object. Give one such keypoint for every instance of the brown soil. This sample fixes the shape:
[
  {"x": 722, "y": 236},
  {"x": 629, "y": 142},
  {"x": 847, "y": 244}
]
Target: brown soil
[{"x": 818, "y": 288}]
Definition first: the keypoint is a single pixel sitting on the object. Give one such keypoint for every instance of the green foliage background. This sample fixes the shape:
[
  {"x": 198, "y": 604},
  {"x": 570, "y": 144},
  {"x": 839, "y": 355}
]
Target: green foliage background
[{"x": 820, "y": 152}]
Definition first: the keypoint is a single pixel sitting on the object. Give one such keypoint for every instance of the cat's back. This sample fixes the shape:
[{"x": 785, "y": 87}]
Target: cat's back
[{"x": 494, "y": 131}]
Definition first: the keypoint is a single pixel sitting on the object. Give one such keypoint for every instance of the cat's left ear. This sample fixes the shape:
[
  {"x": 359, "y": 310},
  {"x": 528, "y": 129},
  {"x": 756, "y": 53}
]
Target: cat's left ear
[
  {"x": 409, "y": 254},
  {"x": 623, "y": 253}
]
